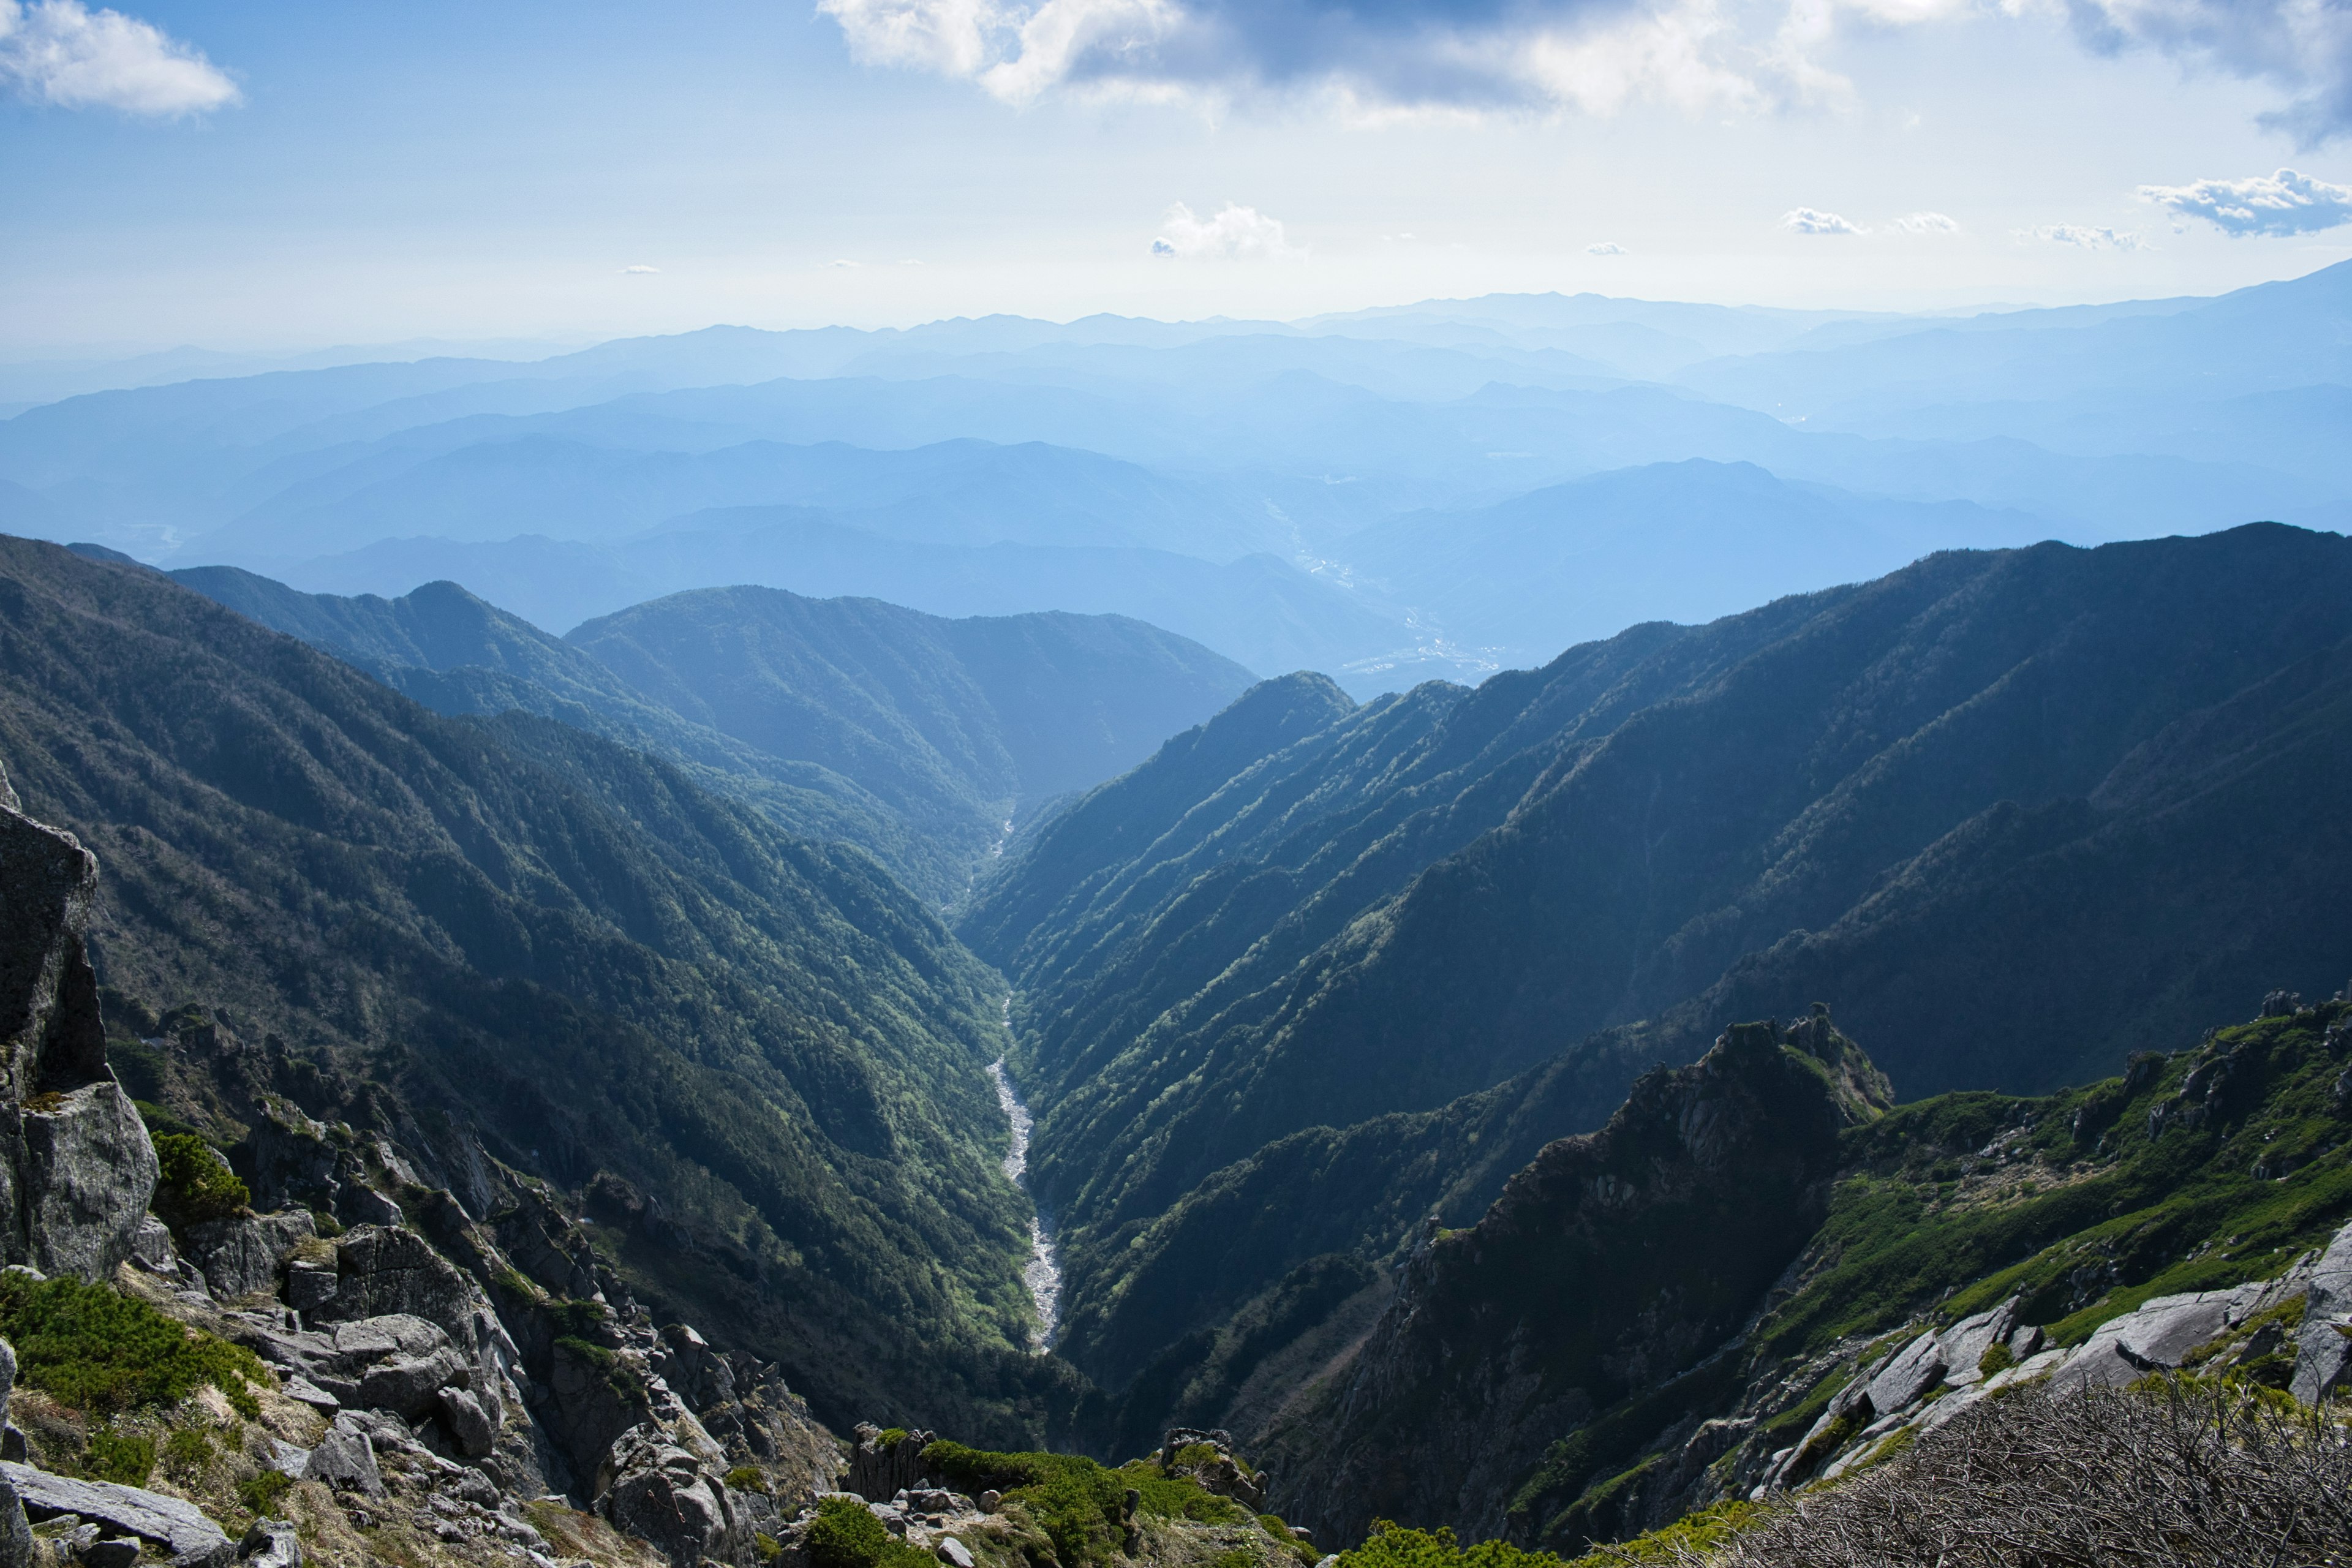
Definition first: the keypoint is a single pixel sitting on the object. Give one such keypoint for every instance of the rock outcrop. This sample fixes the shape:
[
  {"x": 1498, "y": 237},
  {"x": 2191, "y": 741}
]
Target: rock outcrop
[{"x": 75, "y": 1160}]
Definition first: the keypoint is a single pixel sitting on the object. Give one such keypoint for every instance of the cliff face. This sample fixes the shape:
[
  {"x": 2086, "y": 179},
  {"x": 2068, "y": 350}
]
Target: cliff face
[
  {"x": 76, "y": 1166},
  {"x": 1611, "y": 1263}
]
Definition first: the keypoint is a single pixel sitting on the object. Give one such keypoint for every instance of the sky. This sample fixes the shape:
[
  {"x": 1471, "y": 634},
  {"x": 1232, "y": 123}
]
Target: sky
[{"x": 271, "y": 177}]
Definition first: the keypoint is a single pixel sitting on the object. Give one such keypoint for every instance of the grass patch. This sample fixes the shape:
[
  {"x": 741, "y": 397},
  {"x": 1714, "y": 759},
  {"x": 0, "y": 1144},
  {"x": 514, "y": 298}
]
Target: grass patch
[
  {"x": 1703, "y": 1531},
  {"x": 260, "y": 1493},
  {"x": 95, "y": 1350}
]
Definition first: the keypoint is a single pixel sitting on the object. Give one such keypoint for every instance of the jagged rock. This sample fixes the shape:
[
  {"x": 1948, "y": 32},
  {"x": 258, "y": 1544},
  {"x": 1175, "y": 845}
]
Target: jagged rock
[
  {"x": 345, "y": 1460},
  {"x": 2324, "y": 1354},
  {"x": 152, "y": 1247},
  {"x": 15, "y": 1532},
  {"x": 241, "y": 1255},
  {"x": 659, "y": 1492},
  {"x": 2159, "y": 1336},
  {"x": 1964, "y": 1344},
  {"x": 1917, "y": 1369},
  {"x": 310, "y": 1287},
  {"x": 271, "y": 1543},
  {"x": 468, "y": 1422},
  {"x": 1221, "y": 1473},
  {"x": 955, "y": 1553},
  {"x": 116, "y": 1552},
  {"x": 384, "y": 1268},
  {"x": 697, "y": 1372},
  {"x": 193, "y": 1541},
  {"x": 410, "y": 1385},
  {"x": 879, "y": 1471},
  {"x": 88, "y": 1173}
]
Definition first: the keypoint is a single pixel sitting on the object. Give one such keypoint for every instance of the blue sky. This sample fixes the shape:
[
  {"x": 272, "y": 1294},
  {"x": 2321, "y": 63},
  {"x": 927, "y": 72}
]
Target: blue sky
[{"x": 271, "y": 175}]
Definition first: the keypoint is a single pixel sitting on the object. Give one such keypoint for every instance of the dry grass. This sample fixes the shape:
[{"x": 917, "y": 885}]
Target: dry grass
[{"x": 2176, "y": 1474}]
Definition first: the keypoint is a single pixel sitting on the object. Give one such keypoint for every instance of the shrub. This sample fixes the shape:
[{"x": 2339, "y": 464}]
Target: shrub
[
  {"x": 1392, "y": 1545},
  {"x": 1079, "y": 1505},
  {"x": 188, "y": 1449},
  {"x": 89, "y": 1347},
  {"x": 259, "y": 1494},
  {"x": 193, "y": 1184},
  {"x": 121, "y": 1457},
  {"x": 1178, "y": 1497},
  {"x": 747, "y": 1479},
  {"x": 846, "y": 1534},
  {"x": 1998, "y": 1357},
  {"x": 2188, "y": 1471}
]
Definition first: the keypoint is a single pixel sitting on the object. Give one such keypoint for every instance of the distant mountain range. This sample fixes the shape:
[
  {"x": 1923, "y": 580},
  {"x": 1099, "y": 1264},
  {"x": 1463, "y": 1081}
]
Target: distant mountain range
[{"x": 1383, "y": 496}]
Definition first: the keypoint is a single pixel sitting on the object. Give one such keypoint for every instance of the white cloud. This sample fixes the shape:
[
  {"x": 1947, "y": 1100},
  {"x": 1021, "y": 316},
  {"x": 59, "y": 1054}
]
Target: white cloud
[
  {"x": 63, "y": 52},
  {"x": 1236, "y": 234},
  {"x": 627, "y": 271},
  {"x": 2284, "y": 203},
  {"x": 2083, "y": 236},
  {"x": 841, "y": 261},
  {"x": 1606, "y": 247},
  {"x": 1371, "y": 62},
  {"x": 1810, "y": 220},
  {"x": 1926, "y": 223}
]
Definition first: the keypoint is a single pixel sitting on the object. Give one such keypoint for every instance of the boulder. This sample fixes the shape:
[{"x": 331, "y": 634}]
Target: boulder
[
  {"x": 1909, "y": 1375},
  {"x": 410, "y": 1385},
  {"x": 660, "y": 1493},
  {"x": 242, "y": 1254},
  {"x": 179, "y": 1526},
  {"x": 2323, "y": 1354},
  {"x": 116, "y": 1552},
  {"x": 384, "y": 1268},
  {"x": 271, "y": 1543},
  {"x": 17, "y": 1550},
  {"x": 345, "y": 1460},
  {"x": 468, "y": 1422},
  {"x": 2157, "y": 1337},
  {"x": 88, "y": 1173},
  {"x": 1964, "y": 1344}
]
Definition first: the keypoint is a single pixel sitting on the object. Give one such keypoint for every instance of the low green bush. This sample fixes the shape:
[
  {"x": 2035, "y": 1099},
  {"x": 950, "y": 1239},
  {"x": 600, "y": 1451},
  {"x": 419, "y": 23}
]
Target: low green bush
[
  {"x": 747, "y": 1479},
  {"x": 1392, "y": 1545},
  {"x": 259, "y": 1494},
  {"x": 846, "y": 1534},
  {"x": 192, "y": 1183},
  {"x": 1178, "y": 1497},
  {"x": 1079, "y": 1505},
  {"x": 189, "y": 1448},
  {"x": 123, "y": 1456},
  {"x": 97, "y": 1350}
]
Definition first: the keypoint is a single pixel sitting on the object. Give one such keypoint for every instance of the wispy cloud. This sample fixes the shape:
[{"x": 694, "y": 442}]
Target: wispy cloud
[
  {"x": 1236, "y": 234},
  {"x": 1606, "y": 247},
  {"x": 841, "y": 261},
  {"x": 2083, "y": 236},
  {"x": 1811, "y": 220},
  {"x": 2284, "y": 203},
  {"x": 1926, "y": 223},
  {"x": 631, "y": 271},
  {"x": 61, "y": 52}
]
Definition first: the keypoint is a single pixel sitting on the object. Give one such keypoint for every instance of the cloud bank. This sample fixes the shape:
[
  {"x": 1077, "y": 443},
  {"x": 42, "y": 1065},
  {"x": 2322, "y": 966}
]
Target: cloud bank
[
  {"x": 1592, "y": 56},
  {"x": 2284, "y": 203},
  {"x": 1606, "y": 247},
  {"x": 2083, "y": 237},
  {"x": 1236, "y": 234},
  {"x": 60, "y": 52}
]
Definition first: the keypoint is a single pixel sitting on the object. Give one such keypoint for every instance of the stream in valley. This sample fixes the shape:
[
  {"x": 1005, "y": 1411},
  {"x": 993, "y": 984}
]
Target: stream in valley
[{"x": 1042, "y": 1273}]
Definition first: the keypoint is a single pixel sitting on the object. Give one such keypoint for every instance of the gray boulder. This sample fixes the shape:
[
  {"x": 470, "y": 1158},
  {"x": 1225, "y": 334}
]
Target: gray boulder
[
  {"x": 2323, "y": 1354},
  {"x": 383, "y": 1269},
  {"x": 411, "y": 1385},
  {"x": 179, "y": 1526},
  {"x": 242, "y": 1254},
  {"x": 1964, "y": 1344},
  {"x": 1909, "y": 1375},
  {"x": 2157, "y": 1337},
  {"x": 660, "y": 1493},
  {"x": 17, "y": 1549},
  {"x": 88, "y": 1173},
  {"x": 345, "y": 1460},
  {"x": 271, "y": 1543}
]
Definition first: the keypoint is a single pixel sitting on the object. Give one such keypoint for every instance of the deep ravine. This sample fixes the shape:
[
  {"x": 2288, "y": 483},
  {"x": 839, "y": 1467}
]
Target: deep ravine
[{"x": 1042, "y": 1273}]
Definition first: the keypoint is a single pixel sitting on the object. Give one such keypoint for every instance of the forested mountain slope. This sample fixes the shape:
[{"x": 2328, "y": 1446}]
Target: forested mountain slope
[
  {"x": 2041, "y": 762},
  {"x": 562, "y": 955},
  {"x": 955, "y": 723},
  {"x": 899, "y": 731}
]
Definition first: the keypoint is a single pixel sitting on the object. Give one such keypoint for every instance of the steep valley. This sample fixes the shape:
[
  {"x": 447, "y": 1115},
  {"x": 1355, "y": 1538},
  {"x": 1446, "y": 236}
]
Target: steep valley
[{"x": 1545, "y": 1110}]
